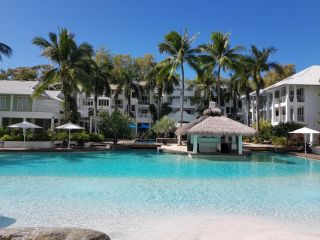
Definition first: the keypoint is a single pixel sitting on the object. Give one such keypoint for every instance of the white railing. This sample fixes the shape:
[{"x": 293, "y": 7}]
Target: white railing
[
  {"x": 277, "y": 118},
  {"x": 300, "y": 98},
  {"x": 282, "y": 118},
  {"x": 143, "y": 115},
  {"x": 283, "y": 99}
]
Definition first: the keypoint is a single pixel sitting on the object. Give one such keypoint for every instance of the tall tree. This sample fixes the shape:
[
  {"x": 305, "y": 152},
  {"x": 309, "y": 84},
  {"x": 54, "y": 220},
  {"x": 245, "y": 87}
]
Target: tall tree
[
  {"x": 221, "y": 56},
  {"x": 126, "y": 77},
  {"x": 5, "y": 50},
  {"x": 179, "y": 49},
  {"x": 246, "y": 86},
  {"x": 233, "y": 92},
  {"x": 203, "y": 85},
  {"x": 260, "y": 63},
  {"x": 273, "y": 76},
  {"x": 100, "y": 78},
  {"x": 71, "y": 63},
  {"x": 162, "y": 82}
]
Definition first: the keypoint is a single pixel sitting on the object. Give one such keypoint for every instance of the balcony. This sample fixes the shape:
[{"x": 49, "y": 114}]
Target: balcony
[
  {"x": 276, "y": 100},
  {"x": 282, "y": 118},
  {"x": 283, "y": 99},
  {"x": 300, "y": 118},
  {"x": 300, "y": 98},
  {"x": 117, "y": 106}
]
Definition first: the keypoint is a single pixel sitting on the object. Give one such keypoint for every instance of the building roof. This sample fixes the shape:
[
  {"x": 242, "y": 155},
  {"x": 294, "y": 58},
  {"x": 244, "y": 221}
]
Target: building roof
[
  {"x": 26, "y": 88},
  {"x": 213, "y": 124},
  {"x": 220, "y": 125},
  {"x": 308, "y": 76},
  {"x": 17, "y": 87}
]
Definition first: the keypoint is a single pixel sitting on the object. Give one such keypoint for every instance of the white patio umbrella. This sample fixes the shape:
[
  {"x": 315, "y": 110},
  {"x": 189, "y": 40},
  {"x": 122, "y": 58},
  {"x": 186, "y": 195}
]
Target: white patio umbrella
[
  {"x": 305, "y": 131},
  {"x": 24, "y": 125},
  {"x": 69, "y": 127}
]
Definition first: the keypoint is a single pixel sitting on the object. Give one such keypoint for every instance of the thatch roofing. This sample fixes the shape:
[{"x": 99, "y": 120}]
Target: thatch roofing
[
  {"x": 220, "y": 126},
  {"x": 183, "y": 130},
  {"x": 213, "y": 124}
]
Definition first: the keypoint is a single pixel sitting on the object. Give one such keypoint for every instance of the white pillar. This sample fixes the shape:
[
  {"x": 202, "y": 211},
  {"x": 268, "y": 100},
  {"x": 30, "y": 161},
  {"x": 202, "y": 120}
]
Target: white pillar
[
  {"x": 287, "y": 104},
  {"x": 295, "y": 114},
  {"x": 240, "y": 144},
  {"x": 52, "y": 123},
  {"x": 0, "y": 121},
  {"x": 90, "y": 125},
  {"x": 195, "y": 143},
  {"x": 234, "y": 143}
]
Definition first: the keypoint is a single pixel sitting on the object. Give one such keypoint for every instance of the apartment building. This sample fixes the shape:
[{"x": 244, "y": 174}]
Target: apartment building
[
  {"x": 294, "y": 99},
  {"x": 17, "y": 104},
  {"x": 142, "y": 118}
]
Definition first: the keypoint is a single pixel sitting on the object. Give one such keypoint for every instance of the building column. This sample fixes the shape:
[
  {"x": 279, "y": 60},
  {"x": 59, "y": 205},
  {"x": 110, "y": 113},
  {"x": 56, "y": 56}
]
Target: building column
[
  {"x": 272, "y": 108},
  {"x": 0, "y": 121},
  {"x": 90, "y": 125},
  {"x": 287, "y": 104},
  {"x": 253, "y": 113},
  {"x": 295, "y": 114},
  {"x": 234, "y": 143},
  {"x": 240, "y": 144},
  {"x": 52, "y": 123},
  {"x": 195, "y": 143}
]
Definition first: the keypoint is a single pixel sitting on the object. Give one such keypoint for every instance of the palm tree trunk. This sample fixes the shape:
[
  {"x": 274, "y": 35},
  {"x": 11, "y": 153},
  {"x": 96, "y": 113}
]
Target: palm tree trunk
[
  {"x": 248, "y": 106},
  {"x": 257, "y": 110},
  {"x": 95, "y": 110},
  {"x": 159, "y": 101},
  {"x": 182, "y": 100},
  {"x": 65, "y": 103},
  {"x": 235, "y": 106},
  {"x": 218, "y": 86},
  {"x": 129, "y": 104}
]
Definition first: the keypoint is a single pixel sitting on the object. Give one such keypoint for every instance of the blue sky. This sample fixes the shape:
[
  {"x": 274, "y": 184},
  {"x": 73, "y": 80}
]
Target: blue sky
[{"x": 137, "y": 26}]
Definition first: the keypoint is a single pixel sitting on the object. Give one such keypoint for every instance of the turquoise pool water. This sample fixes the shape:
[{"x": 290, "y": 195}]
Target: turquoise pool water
[{"x": 115, "y": 188}]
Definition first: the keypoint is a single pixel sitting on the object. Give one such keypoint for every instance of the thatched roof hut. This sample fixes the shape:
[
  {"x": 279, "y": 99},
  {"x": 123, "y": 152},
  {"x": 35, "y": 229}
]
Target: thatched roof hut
[
  {"x": 183, "y": 130},
  {"x": 212, "y": 123},
  {"x": 220, "y": 126}
]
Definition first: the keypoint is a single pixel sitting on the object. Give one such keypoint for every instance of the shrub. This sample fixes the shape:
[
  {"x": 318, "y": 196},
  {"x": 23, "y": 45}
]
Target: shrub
[
  {"x": 96, "y": 137},
  {"x": 164, "y": 126},
  {"x": 60, "y": 136},
  {"x": 3, "y": 131},
  {"x": 280, "y": 141},
  {"x": 6, "y": 137},
  {"x": 115, "y": 125},
  {"x": 42, "y": 136},
  {"x": 80, "y": 137}
]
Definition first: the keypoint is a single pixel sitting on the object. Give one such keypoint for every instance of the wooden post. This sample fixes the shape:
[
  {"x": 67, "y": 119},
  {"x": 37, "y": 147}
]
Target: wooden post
[
  {"x": 195, "y": 143},
  {"x": 240, "y": 144}
]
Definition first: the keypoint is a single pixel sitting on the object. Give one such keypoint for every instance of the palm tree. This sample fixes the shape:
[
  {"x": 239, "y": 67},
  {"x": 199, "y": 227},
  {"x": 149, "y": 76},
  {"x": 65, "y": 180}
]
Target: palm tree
[
  {"x": 203, "y": 84},
  {"x": 162, "y": 82},
  {"x": 180, "y": 52},
  {"x": 233, "y": 92},
  {"x": 221, "y": 55},
  {"x": 101, "y": 76},
  {"x": 259, "y": 63},
  {"x": 5, "y": 50},
  {"x": 71, "y": 64},
  {"x": 126, "y": 78},
  {"x": 246, "y": 85}
]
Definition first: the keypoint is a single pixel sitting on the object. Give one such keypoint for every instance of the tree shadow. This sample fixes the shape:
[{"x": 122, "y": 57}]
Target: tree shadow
[{"x": 6, "y": 221}]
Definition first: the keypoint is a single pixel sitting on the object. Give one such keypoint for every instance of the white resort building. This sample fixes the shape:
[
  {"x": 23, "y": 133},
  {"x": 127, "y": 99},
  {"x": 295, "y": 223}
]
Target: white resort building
[
  {"x": 17, "y": 104},
  {"x": 294, "y": 99}
]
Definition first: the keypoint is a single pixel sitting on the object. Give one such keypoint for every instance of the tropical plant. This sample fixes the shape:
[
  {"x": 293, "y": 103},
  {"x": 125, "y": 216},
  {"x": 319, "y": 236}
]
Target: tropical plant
[
  {"x": 246, "y": 86},
  {"x": 233, "y": 92},
  {"x": 115, "y": 125},
  {"x": 203, "y": 85},
  {"x": 180, "y": 52},
  {"x": 163, "y": 126},
  {"x": 259, "y": 63},
  {"x": 161, "y": 81},
  {"x": 100, "y": 77},
  {"x": 220, "y": 56},
  {"x": 5, "y": 50},
  {"x": 126, "y": 77},
  {"x": 71, "y": 63},
  {"x": 273, "y": 76}
]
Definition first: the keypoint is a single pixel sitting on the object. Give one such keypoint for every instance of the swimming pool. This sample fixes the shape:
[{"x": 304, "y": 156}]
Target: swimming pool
[{"x": 121, "y": 191}]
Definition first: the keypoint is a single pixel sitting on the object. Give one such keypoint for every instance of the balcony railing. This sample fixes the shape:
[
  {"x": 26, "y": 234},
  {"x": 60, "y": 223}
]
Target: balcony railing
[
  {"x": 300, "y": 118},
  {"x": 300, "y": 98},
  {"x": 283, "y": 99},
  {"x": 282, "y": 118},
  {"x": 276, "y": 100},
  {"x": 143, "y": 115},
  {"x": 277, "y": 118}
]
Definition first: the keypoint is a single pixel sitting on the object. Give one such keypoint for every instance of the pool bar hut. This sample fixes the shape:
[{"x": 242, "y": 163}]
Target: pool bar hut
[{"x": 213, "y": 133}]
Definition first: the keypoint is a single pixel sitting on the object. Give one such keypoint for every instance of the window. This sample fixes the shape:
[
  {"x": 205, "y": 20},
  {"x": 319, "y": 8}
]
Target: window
[
  {"x": 291, "y": 95},
  {"x": 3, "y": 102},
  {"x": 87, "y": 102},
  {"x": 300, "y": 95},
  {"x": 133, "y": 108},
  {"x": 301, "y": 114},
  {"x": 103, "y": 102},
  {"x": 22, "y": 103}
]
